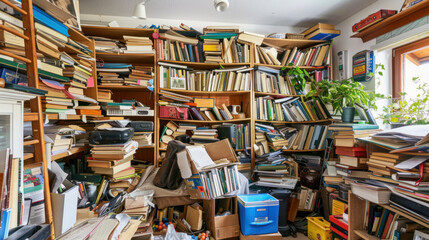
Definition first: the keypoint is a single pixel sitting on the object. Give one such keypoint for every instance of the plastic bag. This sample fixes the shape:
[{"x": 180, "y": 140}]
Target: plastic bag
[{"x": 173, "y": 235}]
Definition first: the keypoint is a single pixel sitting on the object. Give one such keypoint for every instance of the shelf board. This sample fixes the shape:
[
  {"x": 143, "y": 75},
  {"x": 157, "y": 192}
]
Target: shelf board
[
  {"x": 28, "y": 156},
  {"x": 70, "y": 152},
  {"x": 31, "y": 142},
  {"x": 147, "y": 147},
  {"x": 236, "y": 150},
  {"x": 126, "y": 57},
  {"x": 207, "y": 66},
  {"x": 274, "y": 94},
  {"x": 290, "y": 43},
  {"x": 364, "y": 235},
  {"x": 299, "y": 151},
  {"x": 406, "y": 214},
  {"x": 303, "y": 122},
  {"x": 70, "y": 49},
  {"x": 116, "y": 32},
  {"x": 394, "y": 22},
  {"x": 125, "y": 88},
  {"x": 31, "y": 117},
  {"x": 244, "y": 167},
  {"x": 208, "y": 122},
  {"x": 309, "y": 68},
  {"x": 188, "y": 92}
]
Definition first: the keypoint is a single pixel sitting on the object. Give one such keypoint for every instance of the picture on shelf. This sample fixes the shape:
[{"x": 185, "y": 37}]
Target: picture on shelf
[{"x": 178, "y": 83}]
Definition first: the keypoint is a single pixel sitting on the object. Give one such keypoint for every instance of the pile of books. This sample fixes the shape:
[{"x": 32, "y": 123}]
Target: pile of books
[
  {"x": 177, "y": 47},
  {"x": 106, "y": 44},
  {"x": 140, "y": 76},
  {"x": 138, "y": 44},
  {"x": 273, "y": 170},
  {"x": 202, "y": 135},
  {"x": 113, "y": 160},
  {"x": 381, "y": 163},
  {"x": 269, "y": 80},
  {"x": 291, "y": 109},
  {"x": 307, "y": 199},
  {"x": 174, "y": 76},
  {"x": 321, "y": 31},
  {"x": 104, "y": 95},
  {"x": 346, "y": 135},
  {"x": 265, "y": 136},
  {"x": 63, "y": 137},
  {"x": 113, "y": 74},
  {"x": 58, "y": 99}
]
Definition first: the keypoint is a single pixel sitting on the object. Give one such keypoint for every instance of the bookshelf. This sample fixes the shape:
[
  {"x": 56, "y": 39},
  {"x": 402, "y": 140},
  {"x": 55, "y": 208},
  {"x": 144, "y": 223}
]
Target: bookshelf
[{"x": 139, "y": 93}]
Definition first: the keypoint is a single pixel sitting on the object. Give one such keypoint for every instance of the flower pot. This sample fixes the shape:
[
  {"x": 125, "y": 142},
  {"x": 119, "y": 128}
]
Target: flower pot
[{"x": 348, "y": 114}]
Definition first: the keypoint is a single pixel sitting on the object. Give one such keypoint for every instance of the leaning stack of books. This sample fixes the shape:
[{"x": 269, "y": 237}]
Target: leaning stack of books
[
  {"x": 140, "y": 76},
  {"x": 382, "y": 163}
]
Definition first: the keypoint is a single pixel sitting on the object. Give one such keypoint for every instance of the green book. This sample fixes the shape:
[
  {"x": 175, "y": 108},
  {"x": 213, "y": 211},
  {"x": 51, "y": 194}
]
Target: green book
[
  {"x": 162, "y": 133},
  {"x": 269, "y": 167}
]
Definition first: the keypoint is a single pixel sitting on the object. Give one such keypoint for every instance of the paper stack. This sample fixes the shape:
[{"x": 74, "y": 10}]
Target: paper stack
[{"x": 138, "y": 44}]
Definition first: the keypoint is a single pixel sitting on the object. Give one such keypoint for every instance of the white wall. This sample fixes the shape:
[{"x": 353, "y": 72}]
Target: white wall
[{"x": 198, "y": 25}]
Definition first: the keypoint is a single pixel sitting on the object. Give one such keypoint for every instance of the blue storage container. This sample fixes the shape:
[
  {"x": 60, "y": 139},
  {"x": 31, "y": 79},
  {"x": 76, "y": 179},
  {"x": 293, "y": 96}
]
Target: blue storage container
[{"x": 259, "y": 214}]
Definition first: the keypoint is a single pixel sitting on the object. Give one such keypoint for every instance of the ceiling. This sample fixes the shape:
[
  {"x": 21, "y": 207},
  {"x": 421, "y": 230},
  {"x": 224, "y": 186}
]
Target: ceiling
[{"x": 293, "y": 13}]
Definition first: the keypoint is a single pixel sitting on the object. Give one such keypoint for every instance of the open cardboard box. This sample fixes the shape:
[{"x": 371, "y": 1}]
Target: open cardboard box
[
  {"x": 217, "y": 150},
  {"x": 222, "y": 227}
]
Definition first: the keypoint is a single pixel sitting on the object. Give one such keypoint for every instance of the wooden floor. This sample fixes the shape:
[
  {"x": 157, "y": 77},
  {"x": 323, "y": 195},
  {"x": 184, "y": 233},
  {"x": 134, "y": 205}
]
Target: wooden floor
[{"x": 300, "y": 236}]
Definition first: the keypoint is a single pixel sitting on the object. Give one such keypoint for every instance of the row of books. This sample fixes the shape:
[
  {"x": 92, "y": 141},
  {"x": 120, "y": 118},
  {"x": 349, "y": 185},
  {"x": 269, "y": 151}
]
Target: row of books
[
  {"x": 175, "y": 76},
  {"x": 269, "y": 80},
  {"x": 210, "y": 50},
  {"x": 307, "y": 199},
  {"x": 291, "y": 109},
  {"x": 304, "y": 137},
  {"x": 216, "y": 182},
  {"x": 129, "y": 44},
  {"x": 118, "y": 74}
]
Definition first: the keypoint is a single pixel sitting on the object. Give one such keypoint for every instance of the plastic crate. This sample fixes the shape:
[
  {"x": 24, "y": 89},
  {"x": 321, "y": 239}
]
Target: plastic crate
[
  {"x": 259, "y": 214},
  {"x": 319, "y": 228}
]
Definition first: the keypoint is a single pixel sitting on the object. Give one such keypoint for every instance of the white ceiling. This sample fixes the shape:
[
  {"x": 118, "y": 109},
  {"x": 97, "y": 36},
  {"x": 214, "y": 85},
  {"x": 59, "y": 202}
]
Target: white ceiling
[{"x": 296, "y": 13}]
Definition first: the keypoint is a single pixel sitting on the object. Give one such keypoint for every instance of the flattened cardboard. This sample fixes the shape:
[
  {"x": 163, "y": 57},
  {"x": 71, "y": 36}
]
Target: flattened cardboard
[
  {"x": 222, "y": 227},
  {"x": 194, "y": 217},
  {"x": 271, "y": 236}
]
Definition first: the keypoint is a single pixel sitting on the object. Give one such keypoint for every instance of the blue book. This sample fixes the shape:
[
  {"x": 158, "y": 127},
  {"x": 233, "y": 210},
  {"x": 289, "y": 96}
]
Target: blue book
[
  {"x": 299, "y": 105},
  {"x": 218, "y": 35},
  {"x": 49, "y": 21},
  {"x": 383, "y": 220},
  {"x": 191, "y": 52},
  {"x": 324, "y": 36},
  {"x": 115, "y": 65},
  {"x": 5, "y": 222}
]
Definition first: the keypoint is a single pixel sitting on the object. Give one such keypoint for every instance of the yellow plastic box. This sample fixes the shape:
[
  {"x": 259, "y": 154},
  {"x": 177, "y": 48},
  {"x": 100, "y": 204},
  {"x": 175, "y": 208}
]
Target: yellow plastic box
[{"x": 319, "y": 228}]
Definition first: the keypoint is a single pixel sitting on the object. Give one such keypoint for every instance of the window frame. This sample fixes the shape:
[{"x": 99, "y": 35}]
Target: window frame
[{"x": 398, "y": 63}]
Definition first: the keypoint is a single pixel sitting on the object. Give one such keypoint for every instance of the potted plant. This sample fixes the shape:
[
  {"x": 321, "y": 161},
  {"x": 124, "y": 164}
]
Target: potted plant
[
  {"x": 341, "y": 94},
  {"x": 414, "y": 110}
]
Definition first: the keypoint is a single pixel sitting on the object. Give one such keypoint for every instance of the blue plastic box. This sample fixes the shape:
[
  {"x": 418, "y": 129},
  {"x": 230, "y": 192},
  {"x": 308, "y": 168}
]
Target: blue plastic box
[{"x": 259, "y": 214}]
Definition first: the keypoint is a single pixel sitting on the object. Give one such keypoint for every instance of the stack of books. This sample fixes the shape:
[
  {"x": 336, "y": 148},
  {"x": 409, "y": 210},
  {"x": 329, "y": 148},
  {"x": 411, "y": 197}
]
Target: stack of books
[
  {"x": 273, "y": 171},
  {"x": 346, "y": 135},
  {"x": 140, "y": 76},
  {"x": 291, "y": 109},
  {"x": 104, "y": 95},
  {"x": 269, "y": 80},
  {"x": 58, "y": 99},
  {"x": 382, "y": 163},
  {"x": 202, "y": 135},
  {"x": 113, "y": 74},
  {"x": 113, "y": 160},
  {"x": 79, "y": 70},
  {"x": 321, "y": 31},
  {"x": 174, "y": 76},
  {"x": 106, "y": 44},
  {"x": 138, "y": 44},
  {"x": 62, "y": 137},
  {"x": 268, "y": 137},
  {"x": 172, "y": 130},
  {"x": 212, "y": 49}
]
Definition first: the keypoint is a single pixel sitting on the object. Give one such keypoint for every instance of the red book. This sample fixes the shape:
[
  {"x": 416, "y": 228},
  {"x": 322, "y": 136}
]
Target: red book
[
  {"x": 337, "y": 219},
  {"x": 311, "y": 57},
  {"x": 197, "y": 54},
  {"x": 339, "y": 233},
  {"x": 351, "y": 151},
  {"x": 387, "y": 226}
]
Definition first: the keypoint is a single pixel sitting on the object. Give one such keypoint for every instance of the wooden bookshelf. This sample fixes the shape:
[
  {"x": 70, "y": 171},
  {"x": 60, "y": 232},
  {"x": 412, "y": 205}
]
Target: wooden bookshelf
[
  {"x": 189, "y": 92},
  {"x": 308, "y": 68},
  {"x": 279, "y": 95},
  {"x": 290, "y": 43},
  {"x": 139, "y": 93},
  {"x": 206, "y": 122},
  {"x": 70, "y": 152},
  {"x": 303, "y": 122},
  {"x": 396, "y": 21},
  {"x": 206, "y": 66}
]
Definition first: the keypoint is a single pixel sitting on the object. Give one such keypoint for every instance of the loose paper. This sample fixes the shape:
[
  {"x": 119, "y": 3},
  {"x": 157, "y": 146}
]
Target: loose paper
[
  {"x": 200, "y": 157},
  {"x": 412, "y": 162}
]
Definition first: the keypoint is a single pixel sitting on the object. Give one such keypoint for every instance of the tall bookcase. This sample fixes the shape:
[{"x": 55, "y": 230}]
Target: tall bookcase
[
  {"x": 139, "y": 93},
  {"x": 246, "y": 97}
]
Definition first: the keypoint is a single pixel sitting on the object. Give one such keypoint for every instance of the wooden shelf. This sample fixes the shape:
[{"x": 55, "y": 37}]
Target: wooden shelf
[
  {"x": 244, "y": 167},
  {"x": 309, "y": 68},
  {"x": 31, "y": 142},
  {"x": 70, "y": 49},
  {"x": 147, "y": 147},
  {"x": 208, "y": 66},
  {"x": 303, "y": 122},
  {"x": 124, "y": 88},
  {"x": 127, "y": 57},
  {"x": 407, "y": 16},
  {"x": 300, "y": 151},
  {"x": 116, "y": 32},
  {"x": 188, "y": 92},
  {"x": 290, "y": 43},
  {"x": 31, "y": 117},
  {"x": 70, "y": 152},
  {"x": 28, "y": 156},
  {"x": 407, "y": 215},
  {"x": 274, "y": 94},
  {"x": 208, "y": 122},
  {"x": 364, "y": 235}
]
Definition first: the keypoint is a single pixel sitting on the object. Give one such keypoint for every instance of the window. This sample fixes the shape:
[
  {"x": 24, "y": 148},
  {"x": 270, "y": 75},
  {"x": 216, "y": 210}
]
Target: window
[{"x": 409, "y": 62}]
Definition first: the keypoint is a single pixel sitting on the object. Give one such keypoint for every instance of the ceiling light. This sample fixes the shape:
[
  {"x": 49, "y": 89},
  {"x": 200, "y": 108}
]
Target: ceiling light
[
  {"x": 221, "y": 5},
  {"x": 140, "y": 10}
]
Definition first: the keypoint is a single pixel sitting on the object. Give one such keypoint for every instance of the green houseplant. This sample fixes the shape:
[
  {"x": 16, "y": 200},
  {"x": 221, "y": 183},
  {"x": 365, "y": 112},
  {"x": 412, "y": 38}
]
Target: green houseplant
[
  {"x": 341, "y": 94},
  {"x": 413, "y": 110}
]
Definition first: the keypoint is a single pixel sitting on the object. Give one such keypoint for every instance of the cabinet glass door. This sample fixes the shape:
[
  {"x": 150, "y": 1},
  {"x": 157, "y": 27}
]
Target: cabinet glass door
[{"x": 5, "y": 131}]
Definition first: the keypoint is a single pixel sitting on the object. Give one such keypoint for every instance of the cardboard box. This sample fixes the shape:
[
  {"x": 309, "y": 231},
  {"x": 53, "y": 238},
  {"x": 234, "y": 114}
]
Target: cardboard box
[
  {"x": 271, "y": 236},
  {"x": 222, "y": 227},
  {"x": 64, "y": 208},
  {"x": 194, "y": 216}
]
